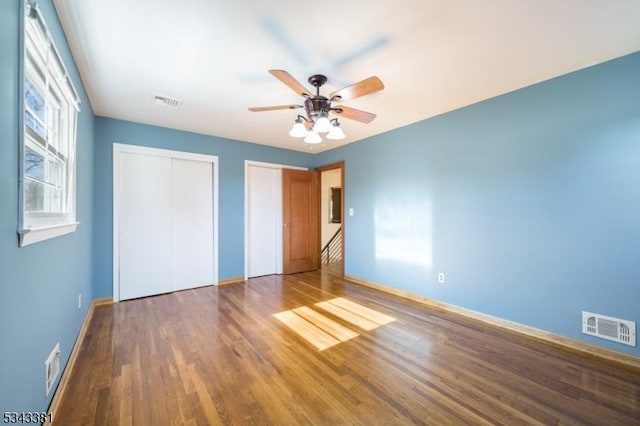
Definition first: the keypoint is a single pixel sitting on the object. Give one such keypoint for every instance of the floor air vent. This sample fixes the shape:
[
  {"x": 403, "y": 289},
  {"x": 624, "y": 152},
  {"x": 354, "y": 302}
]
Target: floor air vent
[
  {"x": 52, "y": 368},
  {"x": 615, "y": 329}
]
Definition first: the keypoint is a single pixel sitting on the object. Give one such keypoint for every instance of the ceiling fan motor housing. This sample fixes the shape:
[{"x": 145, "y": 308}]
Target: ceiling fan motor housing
[
  {"x": 316, "y": 106},
  {"x": 317, "y": 80}
]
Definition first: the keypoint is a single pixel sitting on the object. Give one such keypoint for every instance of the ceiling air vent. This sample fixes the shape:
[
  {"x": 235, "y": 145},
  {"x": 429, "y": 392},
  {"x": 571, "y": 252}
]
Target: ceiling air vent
[
  {"x": 166, "y": 101},
  {"x": 615, "y": 329}
]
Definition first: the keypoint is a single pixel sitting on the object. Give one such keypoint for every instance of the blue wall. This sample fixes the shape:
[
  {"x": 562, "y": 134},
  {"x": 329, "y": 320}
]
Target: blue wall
[
  {"x": 231, "y": 156},
  {"x": 528, "y": 202},
  {"x": 39, "y": 283}
]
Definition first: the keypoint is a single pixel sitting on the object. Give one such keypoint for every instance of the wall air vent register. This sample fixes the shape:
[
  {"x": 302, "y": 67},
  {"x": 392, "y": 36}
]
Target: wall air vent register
[{"x": 614, "y": 329}]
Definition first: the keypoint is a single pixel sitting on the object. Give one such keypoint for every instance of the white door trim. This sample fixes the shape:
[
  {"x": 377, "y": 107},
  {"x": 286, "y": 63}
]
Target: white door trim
[
  {"x": 118, "y": 149},
  {"x": 247, "y": 164}
]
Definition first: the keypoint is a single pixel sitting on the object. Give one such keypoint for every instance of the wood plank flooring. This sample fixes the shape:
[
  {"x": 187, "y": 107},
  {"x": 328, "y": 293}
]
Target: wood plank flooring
[{"x": 217, "y": 355}]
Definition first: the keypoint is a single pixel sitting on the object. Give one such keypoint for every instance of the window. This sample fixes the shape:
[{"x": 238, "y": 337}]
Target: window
[{"x": 50, "y": 111}]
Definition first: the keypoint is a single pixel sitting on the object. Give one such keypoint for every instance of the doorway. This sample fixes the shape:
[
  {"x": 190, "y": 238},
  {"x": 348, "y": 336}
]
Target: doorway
[
  {"x": 263, "y": 218},
  {"x": 264, "y": 221},
  {"x": 332, "y": 218}
]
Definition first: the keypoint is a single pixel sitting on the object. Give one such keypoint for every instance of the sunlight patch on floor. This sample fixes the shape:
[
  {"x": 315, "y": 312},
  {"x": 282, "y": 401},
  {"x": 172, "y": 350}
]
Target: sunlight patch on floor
[
  {"x": 323, "y": 332},
  {"x": 354, "y": 313},
  {"x": 314, "y": 335}
]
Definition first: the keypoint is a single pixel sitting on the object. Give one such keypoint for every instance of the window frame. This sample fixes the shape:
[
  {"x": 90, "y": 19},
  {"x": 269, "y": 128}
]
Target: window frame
[{"x": 42, "y": 64}]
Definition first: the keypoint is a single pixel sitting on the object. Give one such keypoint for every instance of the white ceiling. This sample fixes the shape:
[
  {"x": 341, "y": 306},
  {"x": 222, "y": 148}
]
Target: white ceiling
[{"x": 433, "y": 56}]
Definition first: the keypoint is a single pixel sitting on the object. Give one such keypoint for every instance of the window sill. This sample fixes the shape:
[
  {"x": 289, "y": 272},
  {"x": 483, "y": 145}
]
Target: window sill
[{"x": 35, "y": 235}]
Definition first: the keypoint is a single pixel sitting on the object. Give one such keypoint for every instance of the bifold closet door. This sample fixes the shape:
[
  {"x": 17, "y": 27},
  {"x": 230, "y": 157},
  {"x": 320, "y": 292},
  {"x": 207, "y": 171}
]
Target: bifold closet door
[
  {"x": 145, "y": 228},
  {"x": 192, "y": 231}
]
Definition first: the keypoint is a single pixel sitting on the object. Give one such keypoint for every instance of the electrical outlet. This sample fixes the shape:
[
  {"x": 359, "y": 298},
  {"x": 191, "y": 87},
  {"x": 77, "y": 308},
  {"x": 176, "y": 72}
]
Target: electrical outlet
[
  {"x": 351, "y": 211},
  {"x": 79, "y": 300},
  {"x": 441, "y": 277}
]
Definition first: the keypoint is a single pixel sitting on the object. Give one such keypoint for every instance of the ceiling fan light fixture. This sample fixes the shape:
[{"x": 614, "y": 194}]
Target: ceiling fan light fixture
[
  {"x": 298, "y": 130},
  {"x": 322, "y": 124},
  {"x": 336, "y": 132},
  {"x": 313, "y": 138},
  {"x": 319, "y": 107}
]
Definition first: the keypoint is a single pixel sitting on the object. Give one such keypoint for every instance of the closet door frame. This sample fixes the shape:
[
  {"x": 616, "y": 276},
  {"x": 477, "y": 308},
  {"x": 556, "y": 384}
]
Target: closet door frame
[
  {"x": 118, "y": 149},
  {"x": 247, "y": 201}
]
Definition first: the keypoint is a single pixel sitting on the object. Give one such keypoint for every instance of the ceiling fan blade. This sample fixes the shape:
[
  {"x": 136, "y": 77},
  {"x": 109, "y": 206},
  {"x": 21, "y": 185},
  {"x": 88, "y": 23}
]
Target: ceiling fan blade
[
  {"x": 274, "y": 108},
  {"x": 291, "y": 45},
  {"x": 361, "y": 50},
  {"x": 293, "y": 84},
  {"x": 354, "y": 114},
  {"x": 361, "y": 88}
]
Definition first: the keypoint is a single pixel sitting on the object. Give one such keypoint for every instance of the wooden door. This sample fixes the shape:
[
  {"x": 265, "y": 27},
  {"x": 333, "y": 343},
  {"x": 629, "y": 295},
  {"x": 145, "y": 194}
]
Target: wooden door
[{"x": 301, "y": 232}]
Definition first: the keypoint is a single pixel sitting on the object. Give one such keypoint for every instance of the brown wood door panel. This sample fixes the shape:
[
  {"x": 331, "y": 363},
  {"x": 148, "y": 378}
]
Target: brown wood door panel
[{"x": 300, "y": 214}]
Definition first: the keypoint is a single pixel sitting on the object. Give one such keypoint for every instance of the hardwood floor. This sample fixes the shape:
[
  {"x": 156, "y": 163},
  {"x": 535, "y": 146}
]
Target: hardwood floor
[
  {"x": 217, "y": 355},
  {"x": 333, "y": 268}
]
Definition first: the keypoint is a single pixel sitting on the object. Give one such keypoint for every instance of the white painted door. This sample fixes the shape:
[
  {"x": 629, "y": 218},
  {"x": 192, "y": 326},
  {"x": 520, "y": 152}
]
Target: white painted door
[
  {"x": 144, "y": 219},
  {"x": 192, "y": 218},
  {"x": 165, "y": 221},
  {"x": 264, "y": 211}
]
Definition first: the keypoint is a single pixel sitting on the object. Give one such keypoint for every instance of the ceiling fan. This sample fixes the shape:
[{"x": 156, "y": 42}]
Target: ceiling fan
[{"x": 319, "y": 107}]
